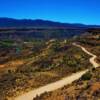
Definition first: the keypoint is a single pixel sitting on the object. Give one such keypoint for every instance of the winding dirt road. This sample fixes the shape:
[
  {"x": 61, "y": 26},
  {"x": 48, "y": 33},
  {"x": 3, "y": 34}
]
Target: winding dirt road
[
  {"x": 92, "y": 59},
  {"x": 58, "y": 84}
]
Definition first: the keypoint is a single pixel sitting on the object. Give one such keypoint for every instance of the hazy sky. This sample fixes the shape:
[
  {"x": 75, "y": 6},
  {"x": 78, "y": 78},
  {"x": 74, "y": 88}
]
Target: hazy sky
[{"x": 74, "y": 11}]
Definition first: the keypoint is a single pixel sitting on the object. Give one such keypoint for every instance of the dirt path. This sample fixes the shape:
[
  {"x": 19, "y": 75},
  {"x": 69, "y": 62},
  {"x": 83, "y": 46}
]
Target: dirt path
[
  {"x": 58, "y": 84},
  {"x": 92, "y": 59}
]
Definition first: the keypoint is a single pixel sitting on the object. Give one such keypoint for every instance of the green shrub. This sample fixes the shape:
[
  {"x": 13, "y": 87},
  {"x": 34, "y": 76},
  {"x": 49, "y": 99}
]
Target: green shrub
[{"x": 87, "y": 76}]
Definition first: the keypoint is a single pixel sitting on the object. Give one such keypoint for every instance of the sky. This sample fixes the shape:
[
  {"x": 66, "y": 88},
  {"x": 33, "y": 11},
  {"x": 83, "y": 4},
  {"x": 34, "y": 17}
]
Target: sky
[{"x": 71, "y": 11}]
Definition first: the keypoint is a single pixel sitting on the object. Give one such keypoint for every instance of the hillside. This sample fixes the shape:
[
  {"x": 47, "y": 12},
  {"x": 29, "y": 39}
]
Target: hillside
[
  {"x": 28, "y": 63},
  {"x": 88, "y": 86},
  {"x": 91, "y": 41},
  {"x": 35, "y": 63}
]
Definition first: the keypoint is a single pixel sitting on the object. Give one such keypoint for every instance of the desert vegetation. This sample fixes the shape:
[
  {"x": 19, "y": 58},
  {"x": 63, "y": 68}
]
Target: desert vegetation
[
  {"x": 28, "y": 64},
  {"x": 92, "y": 41},
  {"x": 86, "y": 88}
]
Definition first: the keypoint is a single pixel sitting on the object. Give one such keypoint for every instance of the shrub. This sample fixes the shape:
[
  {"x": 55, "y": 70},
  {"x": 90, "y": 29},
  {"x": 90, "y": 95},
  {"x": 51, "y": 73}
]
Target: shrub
[{"x": 87, "y": 76}]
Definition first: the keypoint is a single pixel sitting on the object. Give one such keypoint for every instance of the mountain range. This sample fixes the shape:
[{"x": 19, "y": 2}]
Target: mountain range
[{"x": 19, "y": 23}]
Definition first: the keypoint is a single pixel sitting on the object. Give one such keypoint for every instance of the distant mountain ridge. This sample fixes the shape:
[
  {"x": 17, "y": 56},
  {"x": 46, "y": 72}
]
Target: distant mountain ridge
[{"x": 10, "y": 22}]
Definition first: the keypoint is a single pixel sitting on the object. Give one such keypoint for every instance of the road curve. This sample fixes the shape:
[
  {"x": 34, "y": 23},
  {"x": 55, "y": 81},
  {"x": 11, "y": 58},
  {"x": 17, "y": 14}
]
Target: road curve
[
  {"x": 58, "y": 84},
  {"x": 92, "y": 59}
]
